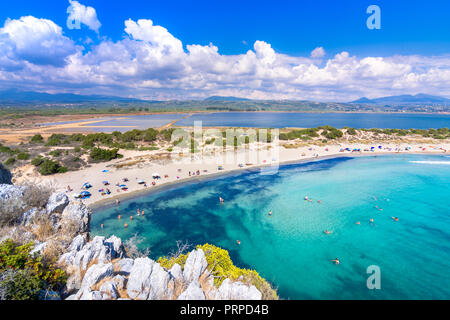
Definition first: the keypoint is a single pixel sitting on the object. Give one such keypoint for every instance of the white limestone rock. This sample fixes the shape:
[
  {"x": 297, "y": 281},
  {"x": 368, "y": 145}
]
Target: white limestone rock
[
  {"x": 78, "y": 214},
  {"x": 193, "y": 292},
  {"x": 195, "y": 265},
  {"x": 237, "y": 291},
  {"x": 57, "y": 202},
  {"x": 138, "y": 286}
]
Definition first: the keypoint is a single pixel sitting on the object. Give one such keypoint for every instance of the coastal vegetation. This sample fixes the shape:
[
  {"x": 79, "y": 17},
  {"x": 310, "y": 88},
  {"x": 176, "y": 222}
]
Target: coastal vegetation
[
  {"x": 25, "y": 275},
  {"x": 59, "y": 153},
  {"x": 222, "y": 267}
]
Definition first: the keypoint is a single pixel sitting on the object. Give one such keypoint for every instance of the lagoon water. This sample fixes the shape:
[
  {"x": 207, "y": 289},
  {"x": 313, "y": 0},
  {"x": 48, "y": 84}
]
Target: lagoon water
[
  {"x": 270, "y": 120},
  {"x": 290, "y": 248},
  {"x": 312, "y": 120}
]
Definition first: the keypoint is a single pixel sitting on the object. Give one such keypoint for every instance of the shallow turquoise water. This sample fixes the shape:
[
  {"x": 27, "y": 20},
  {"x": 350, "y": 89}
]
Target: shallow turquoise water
[{"x": 290, "y": 248}]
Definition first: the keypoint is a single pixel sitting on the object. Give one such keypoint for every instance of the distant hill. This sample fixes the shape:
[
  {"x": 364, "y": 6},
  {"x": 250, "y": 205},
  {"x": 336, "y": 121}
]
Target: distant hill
[
  {"x": 220, "y": 98},
  {"x": 43, "y": 97},
  {"x": 404, "y": 99}
]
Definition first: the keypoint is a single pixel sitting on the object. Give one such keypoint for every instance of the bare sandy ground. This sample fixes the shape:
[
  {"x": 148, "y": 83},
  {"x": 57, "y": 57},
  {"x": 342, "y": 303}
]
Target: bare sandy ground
[{"x": 174, "y": 169}]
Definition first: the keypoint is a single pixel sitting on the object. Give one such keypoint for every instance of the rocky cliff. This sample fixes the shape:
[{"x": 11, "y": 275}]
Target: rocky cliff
[{"x": 100, "y": 269}]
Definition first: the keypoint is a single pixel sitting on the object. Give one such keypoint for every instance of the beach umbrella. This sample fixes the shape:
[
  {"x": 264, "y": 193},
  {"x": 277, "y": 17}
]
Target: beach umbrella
[
  {"x": 85, "y": 194},
  {"x": 123, "y": 186}
]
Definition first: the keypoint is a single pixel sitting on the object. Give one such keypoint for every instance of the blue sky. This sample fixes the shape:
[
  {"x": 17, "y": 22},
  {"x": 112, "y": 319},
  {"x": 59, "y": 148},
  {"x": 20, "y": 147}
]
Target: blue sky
[{"x": 414, "y": 40}]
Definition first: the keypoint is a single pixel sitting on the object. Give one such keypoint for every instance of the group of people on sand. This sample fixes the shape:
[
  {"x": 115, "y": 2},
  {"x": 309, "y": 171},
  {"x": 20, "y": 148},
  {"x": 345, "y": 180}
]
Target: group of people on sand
[{"x": 194, "y": 173}]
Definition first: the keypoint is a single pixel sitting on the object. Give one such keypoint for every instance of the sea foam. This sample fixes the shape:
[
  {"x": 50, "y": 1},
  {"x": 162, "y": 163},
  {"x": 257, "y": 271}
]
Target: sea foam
[{"x": 432, "y": 162}]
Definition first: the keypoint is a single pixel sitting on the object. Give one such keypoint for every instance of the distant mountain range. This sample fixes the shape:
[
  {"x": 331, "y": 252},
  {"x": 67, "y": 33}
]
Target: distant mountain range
[
  {"x": 404, "y": 99},
  {"x": 17, "y": 96},
  {"x": 220, "y": 98}
]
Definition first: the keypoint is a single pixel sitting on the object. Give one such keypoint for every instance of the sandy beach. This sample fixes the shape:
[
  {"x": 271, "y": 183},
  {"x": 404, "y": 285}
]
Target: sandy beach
[{"x": 137, "y": 165}]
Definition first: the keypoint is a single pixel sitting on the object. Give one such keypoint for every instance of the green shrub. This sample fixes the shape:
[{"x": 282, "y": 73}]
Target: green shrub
[
  {"x": 19, "y": 285},
  {"x": 57, "y": 139},
  {"x": 333, "y": 134},
  {"x": 104, "y": 155},
  {"x": 55, "y": 153},
  {"x": 10, "y": 161},
  {"x": 24, "y": 275},
  {"x": 49, "y": 167},
  {"x": 351, "y": 131},
  {"x": 8, "y": 150},
  {"x": 150, "y": 135},
  {"x": 37, "y": 161},
  {"x": 37, "y": 139},
  {"x": 23, "y": 156}
]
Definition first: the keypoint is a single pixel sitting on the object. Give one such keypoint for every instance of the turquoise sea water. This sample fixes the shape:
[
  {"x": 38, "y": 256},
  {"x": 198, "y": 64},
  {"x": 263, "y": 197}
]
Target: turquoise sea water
[{"x": 290, "y": 248}]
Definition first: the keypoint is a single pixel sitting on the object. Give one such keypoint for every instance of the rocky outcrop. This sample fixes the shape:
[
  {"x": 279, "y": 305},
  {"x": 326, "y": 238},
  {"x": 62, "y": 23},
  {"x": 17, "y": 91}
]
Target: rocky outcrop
[
  {"x": 100, "y": 269},
  {"x": 237, "y": 291},
  {"x": 193, "y": 292},
  {"x": 57, "y": 202},
  {"x": 5, "y": 175},
  {"x": 195, "y": 266},
  {"x": 77, "y": 214},
  {"x": 12, "y": 195},
  {"x": 111, "y": 275}
]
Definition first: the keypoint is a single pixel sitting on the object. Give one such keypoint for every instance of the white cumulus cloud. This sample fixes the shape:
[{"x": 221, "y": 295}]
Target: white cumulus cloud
[
  {"x": 150, "y": 62},
  {"x": 38, "y": 41},
  {"x": 318, "y": 52},
  {"x": 79, "y": 13}
]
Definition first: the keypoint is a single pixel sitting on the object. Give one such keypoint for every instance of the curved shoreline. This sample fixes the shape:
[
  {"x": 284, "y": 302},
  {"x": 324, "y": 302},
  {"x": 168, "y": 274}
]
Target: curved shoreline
[{"x": 105, "y": 203}]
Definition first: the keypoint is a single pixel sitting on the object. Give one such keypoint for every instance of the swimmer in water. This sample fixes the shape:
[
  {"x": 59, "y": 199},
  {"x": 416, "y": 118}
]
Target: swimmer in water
[
  {"x": 270, "y": 212},
  {"x": 238, "y": 242},
  {"x": 119, "y": 217},
  {"x": 221, "y": 200},
  {"x": 131, "y": 218},
  {"x": 319, "y": 201},
  {"x": 336, "y": 261},
  {"x": 358, "y": 222},
  {"x": 126, "y": 225},
  {"x": 138, "y": 212},
  {"x": 327, "y": 232},
  {"x": 306, "y": 198},
  {"x": 142, "y": 213},
  {"x": 395, "y": 218},
  {"x": 117, "y": 202},
  {"x": 371, "y": 220},
  {"x": 101, "y": 226}
]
